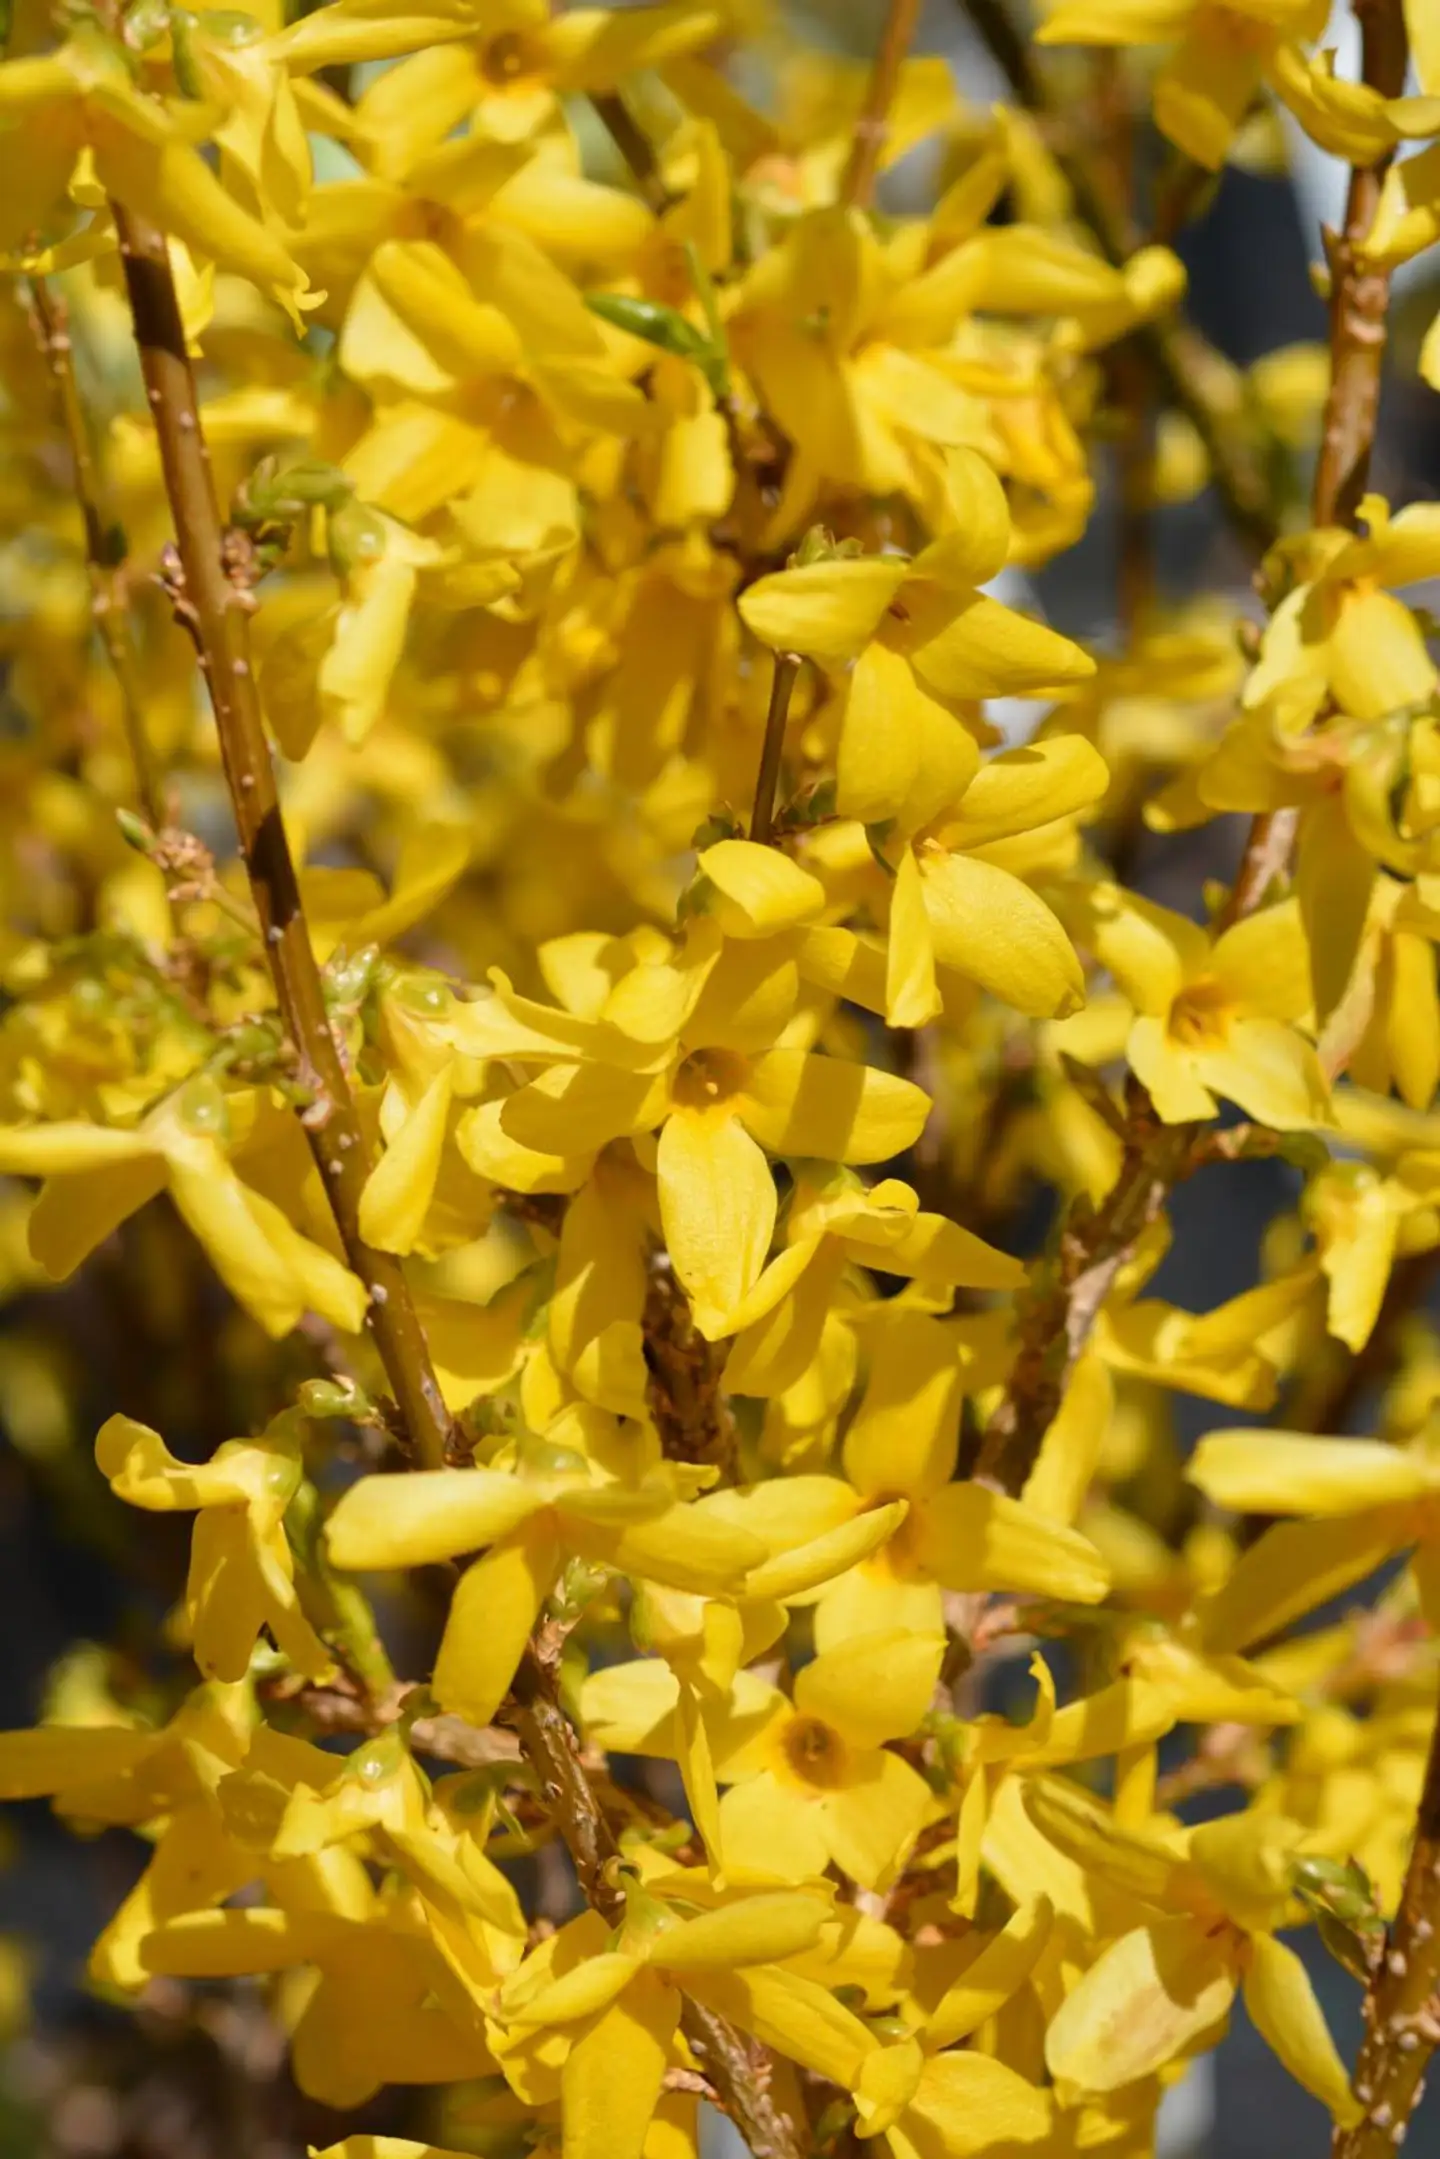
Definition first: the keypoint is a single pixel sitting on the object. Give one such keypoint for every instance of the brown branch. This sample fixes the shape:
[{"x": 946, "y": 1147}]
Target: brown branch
[
  {"x": 1190, "y": 375},
  {"x": 736, "y": 2068},
  {"x": 1359, "y": 301},
  {"x": 1059, "y": 1315},
  {"x": 635, "y": 146},
  {"x": 872, "y": 127},
  {"x": 105, "y": 556},
  {"x": 1402, "y": 2002},
  {"x": 772, "y": 749},
  {"x": 213, "y": 601},
  {"x": 1359, "y": 292}
]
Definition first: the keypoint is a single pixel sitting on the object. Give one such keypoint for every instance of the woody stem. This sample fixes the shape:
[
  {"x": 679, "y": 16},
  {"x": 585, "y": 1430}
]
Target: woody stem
[
  {"x": 872, "y": 128},
  {"x": 1402, "y": 2003},
  {"x": 1359, "y": 301},
  {"x": 635, "y": 146},
  {"x": 772, "y": 749},
  {"x": 214, "y": 603},
  {"x": 733, "y": 2066},
  {"x": 1190, "y": 375},
  {"x": 104, "y": 548}
]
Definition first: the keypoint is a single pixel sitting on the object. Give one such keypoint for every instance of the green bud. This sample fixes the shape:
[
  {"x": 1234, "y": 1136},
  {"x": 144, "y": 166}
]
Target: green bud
[
  {"x": 135, "y": 832},
  {"x": 355, "y": 534},
  {"x": 230, "y": 27},
  {"x": 202, "y": 1108},
  {"x": 335, "y": 1398},
  {"x": 652, "y": 321},
  {"x": 147, "y": 23},
  {"x": 350, "y": 976},
  {"x": 183, "y": 58},
  {"x": 817, "y": 545}
]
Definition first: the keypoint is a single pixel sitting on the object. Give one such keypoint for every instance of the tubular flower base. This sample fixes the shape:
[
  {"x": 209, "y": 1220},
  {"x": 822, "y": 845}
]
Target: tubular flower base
[{"x": 547, "y": 990}]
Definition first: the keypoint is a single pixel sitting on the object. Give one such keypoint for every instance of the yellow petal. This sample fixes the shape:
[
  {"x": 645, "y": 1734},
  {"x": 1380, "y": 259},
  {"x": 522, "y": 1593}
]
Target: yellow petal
[
  {"x": 1284, "y": 2011},
  {"x": 971, "y": 1538},
  {"x": 1270, "y": 1071},
  {"x": 987, "y": 650},
  {"x": 578, "y": 1993},
  {"x": 612, "y": 2080},
  {"x": 796, "y": 1102},
  {"x": 801, "y": 2019},
  {"x": 428, "y": 1515},
  {"x": 986, "y": 1984},
  {"x": 973, "y": 2104},
  {"x": 495, "y": 1605},
  {"x": 758, "y": 890},
  {"x": 1268, "y": 1472},
  {"x": 717, "y": 1206},
  {"x": 399, "y": 1189},
  {"x": 754, "y": 1930},
  {"x": 1296, "y": 1567},
  {"x": 1020, "y": 789},
  {"x": 1152, "y": 1994},
  {"x": 826, "y": 1557},
  {"x": 827, "y": 610},
  {"x": 878, "y": 751},
  {"x": 911, "y": 996},
  {"x": 874, "y": 1688},
  {"x": 993, "y": 929},
  {"x": 889, "y": 2080},
  {"x": 65, "y": 1148}
]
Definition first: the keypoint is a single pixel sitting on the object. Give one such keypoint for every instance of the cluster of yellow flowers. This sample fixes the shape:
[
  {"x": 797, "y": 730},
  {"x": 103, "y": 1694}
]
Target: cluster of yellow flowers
[{"x": 601, "y": 1078}]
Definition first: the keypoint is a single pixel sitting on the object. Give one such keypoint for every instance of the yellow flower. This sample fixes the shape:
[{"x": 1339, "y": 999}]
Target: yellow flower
[
  {"x": 813, "y": 1782},
  {"x": 831, "y": 1222},
  {"x": 378, "y": 2009},
  {"x": 1221, "y": 1893},
  {"x": 1214, "y": 1015},
  {"x": 81, "y": 98},
  {"x": 1224, "y": 52},
  {"x": 504, "y": 64},
  {"x": 615, "y": 2004},
  {"x": 163, "y": 1781},
  {"x": 551, "y": 1506},
  {"x": 96, "y": 1176},
  {"x": 1365, "y": 1501},
  {"x": 242, "y": 1573},
  {"x": 677, "y": 1043}
]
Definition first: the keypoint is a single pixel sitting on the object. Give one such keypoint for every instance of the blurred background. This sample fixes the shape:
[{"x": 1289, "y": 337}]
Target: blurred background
[{"x": 188, "y": 2078}]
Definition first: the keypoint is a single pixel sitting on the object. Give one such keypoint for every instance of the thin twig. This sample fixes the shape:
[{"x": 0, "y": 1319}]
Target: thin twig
[
  {"x": 1359, "y": 300},
  {"x": 105, "y": 555},
  {"x": 735, "y": 2067},
  {"x": 1058, "y": 1316},
  {"x": 213, "y": 601},
  {"x": 635, "y": 146},
  {"x": 1359, "y": 292},
  {"x": 772, "y": 749},
  {"x": 1402, "y": 2002},
  {"x": 872, "y": 128},
  {"x": 1190, "y": 375}
]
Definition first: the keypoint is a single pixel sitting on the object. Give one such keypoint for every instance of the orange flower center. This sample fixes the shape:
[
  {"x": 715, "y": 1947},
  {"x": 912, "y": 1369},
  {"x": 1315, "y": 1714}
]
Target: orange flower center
[
  {"x": 1199, "y": 1017},
  {"x": 508, "y": 58},
  {"x": 707, "y": 1078},
  {"x": 815, "y": 1752}
]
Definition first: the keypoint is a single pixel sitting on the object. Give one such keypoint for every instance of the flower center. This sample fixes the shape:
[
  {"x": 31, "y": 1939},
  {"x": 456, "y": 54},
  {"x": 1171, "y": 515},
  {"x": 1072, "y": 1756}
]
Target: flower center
[
  {"x": 707, "y": 1078},
  {"x": 509, "y": 57},
  {"x": 815, "y": 1752},
  {"x": 1200, "y": 1015}
]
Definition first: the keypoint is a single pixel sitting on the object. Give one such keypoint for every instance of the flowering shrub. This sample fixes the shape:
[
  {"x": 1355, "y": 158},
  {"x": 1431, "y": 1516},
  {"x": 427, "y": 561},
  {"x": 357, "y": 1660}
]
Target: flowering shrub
[{"x": 507, "y": 861}]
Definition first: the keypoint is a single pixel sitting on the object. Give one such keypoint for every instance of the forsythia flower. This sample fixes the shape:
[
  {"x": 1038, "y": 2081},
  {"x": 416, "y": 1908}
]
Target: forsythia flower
[{"x": 604, "y": 1025}]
